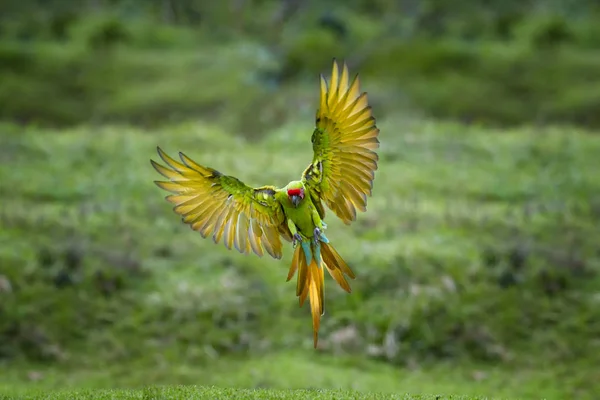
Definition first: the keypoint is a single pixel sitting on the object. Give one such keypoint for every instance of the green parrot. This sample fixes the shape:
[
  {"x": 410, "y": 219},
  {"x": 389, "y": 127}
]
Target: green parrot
[{"x": 341, "y": 175}]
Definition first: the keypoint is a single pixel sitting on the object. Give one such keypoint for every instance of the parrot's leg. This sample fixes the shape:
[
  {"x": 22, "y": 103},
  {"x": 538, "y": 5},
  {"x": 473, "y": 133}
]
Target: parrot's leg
[
  {"x": 296, "y": 239},
  {"x": 320, "y": 226},
  {"x": 319, "y": 236}
]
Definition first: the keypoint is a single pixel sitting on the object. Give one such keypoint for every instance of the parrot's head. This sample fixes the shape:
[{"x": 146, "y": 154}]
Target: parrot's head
[{"x": 295, "y": 192}]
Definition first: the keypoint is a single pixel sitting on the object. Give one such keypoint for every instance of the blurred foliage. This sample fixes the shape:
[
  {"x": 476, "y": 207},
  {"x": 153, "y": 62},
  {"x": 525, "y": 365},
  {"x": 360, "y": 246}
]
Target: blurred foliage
[
  {"x": 151, "y": 62},
  {"x": 72, "y": 273},
  {"x": 483, "y": 249}
]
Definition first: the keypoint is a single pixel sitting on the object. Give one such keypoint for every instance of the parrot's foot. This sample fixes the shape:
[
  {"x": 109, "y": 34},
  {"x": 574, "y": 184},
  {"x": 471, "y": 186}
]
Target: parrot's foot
[
  {"x": 317, "y": 236},
  {"x": 296, "y": 239}
]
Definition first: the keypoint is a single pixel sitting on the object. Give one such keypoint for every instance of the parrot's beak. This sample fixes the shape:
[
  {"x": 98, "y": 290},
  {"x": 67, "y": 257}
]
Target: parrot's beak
[{"x": 295, "y": 200}]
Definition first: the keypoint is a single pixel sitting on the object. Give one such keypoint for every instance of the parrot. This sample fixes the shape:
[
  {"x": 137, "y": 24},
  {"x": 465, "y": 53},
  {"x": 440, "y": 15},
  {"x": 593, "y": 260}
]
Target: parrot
[{"x": 256, "y": 219}]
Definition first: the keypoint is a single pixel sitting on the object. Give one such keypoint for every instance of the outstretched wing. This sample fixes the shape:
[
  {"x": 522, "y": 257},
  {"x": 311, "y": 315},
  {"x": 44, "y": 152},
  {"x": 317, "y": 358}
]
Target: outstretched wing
[
  {"x": 344, "y": 143},
  {"x": 224, "y": 207}
]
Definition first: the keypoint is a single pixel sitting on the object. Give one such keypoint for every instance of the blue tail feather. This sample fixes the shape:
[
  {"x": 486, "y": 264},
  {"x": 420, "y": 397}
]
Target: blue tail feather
[
  {"x": 307, "y": 246},
  {"x": 307, "y": 251},
  {"x": 318, "y": 252}
]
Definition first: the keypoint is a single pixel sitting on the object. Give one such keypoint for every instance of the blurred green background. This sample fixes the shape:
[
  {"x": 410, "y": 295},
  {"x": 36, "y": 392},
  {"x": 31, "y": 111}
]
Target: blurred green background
[{"x": 477, "y": 261}]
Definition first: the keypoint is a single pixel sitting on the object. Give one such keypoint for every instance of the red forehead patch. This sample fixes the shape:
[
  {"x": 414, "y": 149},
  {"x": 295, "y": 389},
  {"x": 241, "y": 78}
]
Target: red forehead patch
[{"x": 294, "y": 192}]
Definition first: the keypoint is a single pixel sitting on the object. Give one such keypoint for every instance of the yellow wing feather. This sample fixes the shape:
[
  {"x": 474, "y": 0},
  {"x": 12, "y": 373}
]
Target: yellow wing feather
[
  {"x": 344, "y": 143},
  {"x": 224, "y": 207}
]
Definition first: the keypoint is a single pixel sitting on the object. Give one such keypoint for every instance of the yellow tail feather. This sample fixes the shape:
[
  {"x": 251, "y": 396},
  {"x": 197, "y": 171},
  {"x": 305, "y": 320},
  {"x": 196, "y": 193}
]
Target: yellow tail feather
[
  {"x": 316, "y": 298},
  {"x": 335, "y": 262},
  {"x": 311, "y": 280},
  {"x": 294, "y": 265}
]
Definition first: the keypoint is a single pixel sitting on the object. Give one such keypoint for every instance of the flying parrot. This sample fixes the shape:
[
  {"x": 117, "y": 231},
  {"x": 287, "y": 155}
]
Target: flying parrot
[{"x": 341, "y": 175}]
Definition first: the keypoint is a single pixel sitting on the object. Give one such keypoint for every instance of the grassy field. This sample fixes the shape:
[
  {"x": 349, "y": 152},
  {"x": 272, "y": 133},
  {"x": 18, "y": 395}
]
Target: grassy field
[
  {"x": 476, "y": 268},
  {"x": 191, "y": 392},
  {"x": 293, "y": 373},
  {"x": 477, "y": 262}
]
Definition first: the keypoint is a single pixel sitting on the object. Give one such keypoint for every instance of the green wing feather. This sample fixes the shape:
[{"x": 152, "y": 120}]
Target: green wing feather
[
  {"x": 344, "y": 143},
  {"x": 222, "y": 206}
]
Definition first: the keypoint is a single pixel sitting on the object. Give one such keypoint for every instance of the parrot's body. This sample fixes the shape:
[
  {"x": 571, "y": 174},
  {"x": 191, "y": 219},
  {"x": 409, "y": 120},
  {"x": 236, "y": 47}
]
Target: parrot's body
[{"x": 341, "y": 174}]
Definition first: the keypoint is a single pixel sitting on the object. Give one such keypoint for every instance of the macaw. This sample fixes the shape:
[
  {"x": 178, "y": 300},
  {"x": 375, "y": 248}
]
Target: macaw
[{"x": 248, "y": 219}]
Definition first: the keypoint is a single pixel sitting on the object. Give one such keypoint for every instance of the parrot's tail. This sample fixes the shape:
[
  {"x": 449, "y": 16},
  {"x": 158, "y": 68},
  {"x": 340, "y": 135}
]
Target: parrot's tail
[{"x": 310, "y": 261}]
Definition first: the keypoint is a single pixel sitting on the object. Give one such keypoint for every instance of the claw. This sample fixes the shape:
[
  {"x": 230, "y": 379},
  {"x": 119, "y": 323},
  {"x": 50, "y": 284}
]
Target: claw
[
  {"x": 317, "y": 235},
  {"x": 296, "y": 239}
]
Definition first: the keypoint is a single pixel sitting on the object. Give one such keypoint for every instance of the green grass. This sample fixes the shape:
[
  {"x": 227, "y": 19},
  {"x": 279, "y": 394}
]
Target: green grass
[
  {"x": 477, "y": 262},
  {"x": 193, "y": 392},
  {"x": 476, "y": 266},
  {"x": 295, "y": 371}
]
